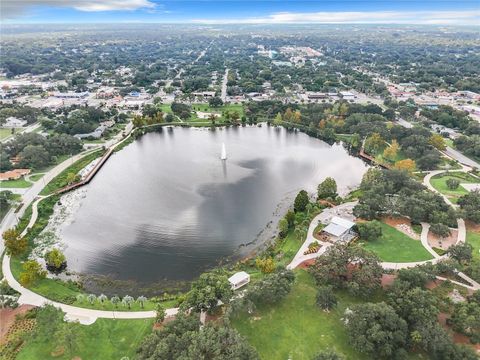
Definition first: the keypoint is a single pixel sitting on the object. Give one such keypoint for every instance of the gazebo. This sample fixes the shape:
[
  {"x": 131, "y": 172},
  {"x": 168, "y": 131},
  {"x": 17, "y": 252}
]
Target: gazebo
[{"x": 239, "y": 279}]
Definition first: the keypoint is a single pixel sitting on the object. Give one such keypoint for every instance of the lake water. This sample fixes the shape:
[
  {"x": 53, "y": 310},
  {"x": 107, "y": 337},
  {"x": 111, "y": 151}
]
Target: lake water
[{"x": 167, "y": 207}]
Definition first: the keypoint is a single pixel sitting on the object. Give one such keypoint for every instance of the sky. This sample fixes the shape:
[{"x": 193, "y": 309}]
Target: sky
[{"x": 437, "y": 12}]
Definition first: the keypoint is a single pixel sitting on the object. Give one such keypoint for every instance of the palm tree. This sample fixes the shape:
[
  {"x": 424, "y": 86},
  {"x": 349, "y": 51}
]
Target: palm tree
[
  {"x": 102, "y": 298},
  {"x": 141, "y": 300},
  {"x": 91, "y": 298},
  {"x": 127, "y": 301},
  {"x": 115, "y": 300},
  {"x": 80, "y": 298},
  {"x": 212, "y": 118}
]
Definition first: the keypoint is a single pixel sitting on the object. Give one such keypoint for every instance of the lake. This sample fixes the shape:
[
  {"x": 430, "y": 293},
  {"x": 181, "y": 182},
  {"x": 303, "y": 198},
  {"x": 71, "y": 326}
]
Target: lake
[{"x": 167, "y": 207}]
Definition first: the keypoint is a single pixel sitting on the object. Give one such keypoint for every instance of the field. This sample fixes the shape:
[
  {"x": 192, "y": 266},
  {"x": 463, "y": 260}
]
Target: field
[
  {"x": 296, "y": 328},
  {"x": 439, "y": 182},
  {"x": 4, "y": 133},
  {"x": 395, "y": 246},
  {"x": 105, "y": 339},
  {"x": 473, "y": 238},
  {"x": 11, "y": 184}
]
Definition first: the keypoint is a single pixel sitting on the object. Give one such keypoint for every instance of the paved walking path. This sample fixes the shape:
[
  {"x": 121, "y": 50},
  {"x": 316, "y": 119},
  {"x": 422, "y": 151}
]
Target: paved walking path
[{"x": 323, "y": 217}]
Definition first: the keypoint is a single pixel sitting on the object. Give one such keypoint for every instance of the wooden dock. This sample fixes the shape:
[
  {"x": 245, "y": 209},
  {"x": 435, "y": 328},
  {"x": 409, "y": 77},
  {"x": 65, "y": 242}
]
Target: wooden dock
[{"x": 89, "y": 176}]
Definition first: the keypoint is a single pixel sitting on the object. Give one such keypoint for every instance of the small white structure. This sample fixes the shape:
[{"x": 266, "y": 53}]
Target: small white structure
[
  {"x": 239, "y": 279},
  {"x": 14, "y": 122},
  {"x": 340, "y": 229}
]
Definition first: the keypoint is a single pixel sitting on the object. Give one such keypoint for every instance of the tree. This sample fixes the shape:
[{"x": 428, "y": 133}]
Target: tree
[
  {"x": 160, "y": 313},
  {"x": 326, "y": 298},
  {"x": 301, "y": 201},
  {"x": 283, "y": 227},
  {"x": 91, "y": 298},
  {"x": 14, "y": 244},
  {"x": 115, "y": 300},
  {"x": 278, "y": 120},
  {"x": 375, "y": 329},
  {"x": 437, "y": 141},
  {"x": 215, "y": 101},
  {"x": 183, "y": 339},
  {"x": 470, "y": 205},
  {"x": 407, "y": 165},
  {"x": 461, "y": 252},
  {"x": 34, "y": 156},
  {"x": 374, "y": 143},
  {"x": 68, "y": 336},
  {"x": 328, "y": 355},
  {"x": 290, "y": 217},
  {"x": 55, "y": 260},
  {"x": 207, "y": 291},
  {"x": 32, "y": 271},
  {"x": 266, "y": 265},
  {"x": 127, "y": 301},
  {"x": 466, "y": 317},
  {"x": 391, "y": 152},
  {"x": 416, "y": 306},
  {"x": 370, "y": 231},
  {"x": 272, "y": 288},
  {"x": 348, "y": 267},
  {"x": 142, "y": 300},
  {"x": 327, "y": 189},
  {"x": 441, "y": 230},
  {"x": 452, "y": 183}
]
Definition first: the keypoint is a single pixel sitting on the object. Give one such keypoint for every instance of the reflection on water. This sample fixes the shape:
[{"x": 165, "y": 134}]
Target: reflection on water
[{"x": 167, "y": 207}]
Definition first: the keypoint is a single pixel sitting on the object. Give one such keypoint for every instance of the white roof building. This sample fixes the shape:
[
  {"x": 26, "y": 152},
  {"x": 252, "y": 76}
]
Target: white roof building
[
  {"x": 14, "y": 122},
  {"x": 239, "y": 279},
  {"x": 340, "y": 228}
]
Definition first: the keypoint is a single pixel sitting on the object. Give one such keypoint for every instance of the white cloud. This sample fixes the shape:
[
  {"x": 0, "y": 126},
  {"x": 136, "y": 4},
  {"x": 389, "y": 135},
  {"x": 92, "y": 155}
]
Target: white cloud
[
  {"x": 357, "y": 17},
  {"x": 11, "y": 9}
]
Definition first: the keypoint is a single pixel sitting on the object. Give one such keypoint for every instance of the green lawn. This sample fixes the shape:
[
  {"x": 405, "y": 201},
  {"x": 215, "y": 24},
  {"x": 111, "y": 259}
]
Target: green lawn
[
  {"x": 439, "y": 182},
  {"x": 105, "y": 339},
  {"x": 4, "y": 133},
  {"x": 395, "y": 246},
  {"x": 10, "y": 184},
  {"x": 473, "y": 238},
  {"x": 36, "y": 177},
  {"x": 288, "y": 247},
  {"x": 296, "y": 328}
]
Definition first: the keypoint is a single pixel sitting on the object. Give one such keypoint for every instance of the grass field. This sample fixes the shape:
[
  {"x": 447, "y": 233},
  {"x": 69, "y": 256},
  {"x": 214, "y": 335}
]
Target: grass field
[
  {"x": 439, "y": 182},
  {"x": 473, "y": 238},
  {"x": 12, "y": 184},
  {"x": 105, "y": 339},
  {"x": 395, "y": 246},
  {"x": 36, "y": 177},
  {"x": 4, "y": 133},
  {"x": 296, "y": 328}
]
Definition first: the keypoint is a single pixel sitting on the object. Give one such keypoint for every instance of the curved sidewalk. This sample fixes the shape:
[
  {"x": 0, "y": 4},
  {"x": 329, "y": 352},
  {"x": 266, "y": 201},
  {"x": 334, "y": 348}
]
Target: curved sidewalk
[{"x": 83, "y": 315}]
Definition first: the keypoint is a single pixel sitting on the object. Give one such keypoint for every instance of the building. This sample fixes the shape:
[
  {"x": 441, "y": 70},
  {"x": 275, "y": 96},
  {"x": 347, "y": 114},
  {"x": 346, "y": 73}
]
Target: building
[
  {"x": 204, "y": 94},
  {"x": 316, "y": 95},
  {"x": 13, "y": 122},
  {"x": 340, "y": 229},
  {"x": 346, "y": 95},
  {"x": 239, "y": 279},
  {"x": 14, "y": 174},
  {"x": 71, "y": 95}
]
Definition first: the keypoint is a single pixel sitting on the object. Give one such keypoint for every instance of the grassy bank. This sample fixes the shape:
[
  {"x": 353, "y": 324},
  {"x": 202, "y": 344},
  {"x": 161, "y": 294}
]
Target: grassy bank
[
  {"x": 439, "y": 182},
  {"x": 61, "y": 179},
  {"x": 473, "y": 238}
]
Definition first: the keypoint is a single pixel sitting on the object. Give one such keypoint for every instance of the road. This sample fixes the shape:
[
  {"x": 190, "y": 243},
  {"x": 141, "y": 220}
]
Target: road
[
  {"x": 224, "y": 86},
  {"x": 462, "y": 159},
  {"x": 11, "y": 219},
  {"x": 450, "y": 152}
]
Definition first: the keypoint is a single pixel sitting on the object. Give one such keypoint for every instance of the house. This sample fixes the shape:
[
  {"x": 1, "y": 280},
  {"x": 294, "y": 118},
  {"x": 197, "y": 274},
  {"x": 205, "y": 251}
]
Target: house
[
  {"x": 205, "y": 94},
  {"x": 239, "y": 279},
  {"x": 13, "y": 122},
  {"x": 14, "y": 174},
  {"x": 340, "y": 229}
]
